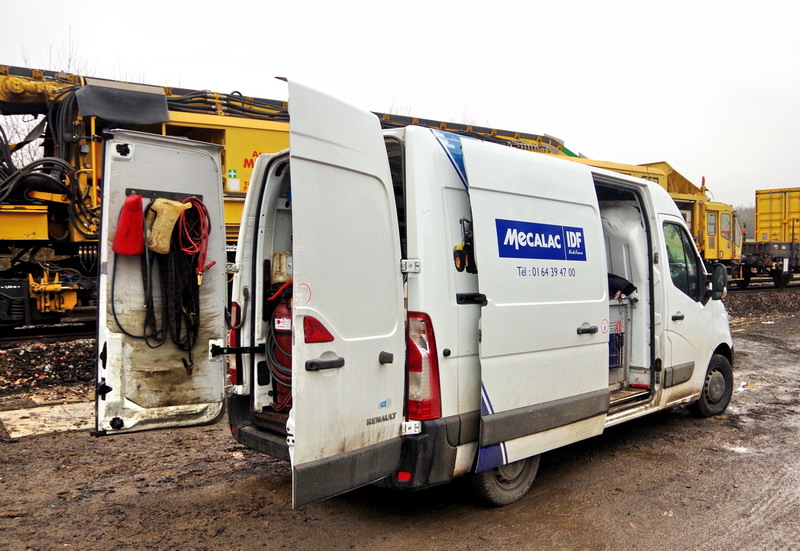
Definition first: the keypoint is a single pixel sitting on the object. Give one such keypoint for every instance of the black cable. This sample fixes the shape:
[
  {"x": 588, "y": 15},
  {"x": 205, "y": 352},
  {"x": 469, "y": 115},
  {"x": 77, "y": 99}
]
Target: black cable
[
  {"x": 41, "y": 169},
  {"x": 114, "y": 303}
]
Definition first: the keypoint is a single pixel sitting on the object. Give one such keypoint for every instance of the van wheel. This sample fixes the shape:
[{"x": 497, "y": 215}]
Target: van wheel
[
  {"x": 717, "y": 388},
  {"x": 507, "y": 483}
]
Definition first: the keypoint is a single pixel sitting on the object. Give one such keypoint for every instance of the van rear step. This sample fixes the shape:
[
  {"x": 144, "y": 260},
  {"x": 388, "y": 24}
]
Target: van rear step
[
  {"x": 264, "y": 441},
  {"x": 628, "y": 395},
  {"x": 271, "y": 420}
]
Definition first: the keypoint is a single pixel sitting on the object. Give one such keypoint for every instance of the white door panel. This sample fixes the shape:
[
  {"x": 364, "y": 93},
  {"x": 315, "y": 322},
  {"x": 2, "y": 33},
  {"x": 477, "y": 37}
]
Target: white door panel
[
  {"x": 143, "y": 387},
  {"x": 687, "y": 318},
  {"x": 345, "y": 420}
]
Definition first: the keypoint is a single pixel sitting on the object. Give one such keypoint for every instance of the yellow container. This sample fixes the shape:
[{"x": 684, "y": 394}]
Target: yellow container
[{"x": 777, "y": 215}]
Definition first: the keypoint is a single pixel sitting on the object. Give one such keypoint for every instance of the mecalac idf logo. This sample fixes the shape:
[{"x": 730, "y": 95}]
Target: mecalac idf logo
[{"x": 517, "y": 239}]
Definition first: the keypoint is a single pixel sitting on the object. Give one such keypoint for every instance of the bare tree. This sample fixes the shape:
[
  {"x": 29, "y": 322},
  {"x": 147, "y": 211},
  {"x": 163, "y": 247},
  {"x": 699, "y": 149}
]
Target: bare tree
[
  {"x": 399, "y": 109},
  {"x": 17, "y": 127},
  {"x": 747, "y": 217},
  {"x": 471, "y": 118}
]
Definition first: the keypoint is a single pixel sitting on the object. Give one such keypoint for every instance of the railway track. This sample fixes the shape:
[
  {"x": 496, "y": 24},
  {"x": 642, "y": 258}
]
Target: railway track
[
  {"x": 50, "y": 333},
  {"x": 761, "y": 286}
]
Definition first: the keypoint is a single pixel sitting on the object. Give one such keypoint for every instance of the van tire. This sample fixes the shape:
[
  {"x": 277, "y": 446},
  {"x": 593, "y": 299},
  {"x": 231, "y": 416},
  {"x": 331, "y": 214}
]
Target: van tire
[
  {"x": 507, "y": 483},
  {"x": 717, "y": 388}
]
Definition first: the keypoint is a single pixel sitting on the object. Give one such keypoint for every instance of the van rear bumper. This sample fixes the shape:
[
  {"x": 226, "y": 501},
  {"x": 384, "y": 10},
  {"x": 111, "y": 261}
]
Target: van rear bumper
[{"x": 430, "y": 457}]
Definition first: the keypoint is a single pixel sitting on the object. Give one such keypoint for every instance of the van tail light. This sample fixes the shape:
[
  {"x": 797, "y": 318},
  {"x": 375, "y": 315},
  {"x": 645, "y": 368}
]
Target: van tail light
[
  {"x": 422, "y": 366},
  {"x": 235, "y": 362},
  {"x": 314, "y": 331}
]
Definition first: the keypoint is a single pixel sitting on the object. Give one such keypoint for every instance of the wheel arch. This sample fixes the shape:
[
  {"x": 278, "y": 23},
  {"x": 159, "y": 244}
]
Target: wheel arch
[{"x": 725, "y": 350}]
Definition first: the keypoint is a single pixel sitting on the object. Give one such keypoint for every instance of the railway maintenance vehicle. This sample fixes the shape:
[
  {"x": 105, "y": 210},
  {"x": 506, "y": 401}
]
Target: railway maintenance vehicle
[{"x": 773, "y": 251}]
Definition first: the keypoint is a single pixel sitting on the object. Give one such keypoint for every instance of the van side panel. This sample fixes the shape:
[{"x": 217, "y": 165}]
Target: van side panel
[{"x": 544, "y": 330}]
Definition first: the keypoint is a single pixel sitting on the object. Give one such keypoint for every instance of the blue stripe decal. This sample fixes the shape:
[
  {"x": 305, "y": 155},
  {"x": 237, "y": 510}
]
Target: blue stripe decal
[
  {"x": 489, "y": 458},
  {"x": 496, "y": 454},
  {"x": 451, "y": 143},
  {"x": 486, "y": 403}
]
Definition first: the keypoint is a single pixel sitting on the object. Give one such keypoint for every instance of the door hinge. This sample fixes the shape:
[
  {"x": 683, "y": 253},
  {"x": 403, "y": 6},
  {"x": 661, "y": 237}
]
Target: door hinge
[
  {"x": 231, "y": 268},
  {"x": 103, "y": 355},
  {"x": 217, "y": 350},
  {"x": 410, "y": 427},
  {"x": 409, "y": 266},
  {"x": 102, "y": 389}
]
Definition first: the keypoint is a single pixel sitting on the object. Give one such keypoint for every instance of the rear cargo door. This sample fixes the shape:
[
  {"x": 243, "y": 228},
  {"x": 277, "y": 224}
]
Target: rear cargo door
[
  {"x": 544, "y": 327},
  {"x": 347, "y": 393},
  {"x": 142, "y": 384}
]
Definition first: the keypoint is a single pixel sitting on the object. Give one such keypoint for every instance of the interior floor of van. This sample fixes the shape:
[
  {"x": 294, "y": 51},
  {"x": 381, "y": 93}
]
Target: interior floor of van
[{"x": 625, "y": 396}]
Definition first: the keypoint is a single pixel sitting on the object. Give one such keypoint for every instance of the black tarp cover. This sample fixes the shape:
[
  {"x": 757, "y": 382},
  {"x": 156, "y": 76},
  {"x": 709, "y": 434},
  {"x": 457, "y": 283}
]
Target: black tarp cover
[{"x": 122, "y": 106}]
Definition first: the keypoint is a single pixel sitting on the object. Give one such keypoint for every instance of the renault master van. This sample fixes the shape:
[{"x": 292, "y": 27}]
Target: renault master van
[{"x": 410, "y": 306}]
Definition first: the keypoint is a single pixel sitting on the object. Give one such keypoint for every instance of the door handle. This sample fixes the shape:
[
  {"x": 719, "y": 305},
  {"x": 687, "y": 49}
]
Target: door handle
[
  {"x": 678, "y": 317},
  {"x": 317, "y": 365},
  {"x": 591, "y": 330}
]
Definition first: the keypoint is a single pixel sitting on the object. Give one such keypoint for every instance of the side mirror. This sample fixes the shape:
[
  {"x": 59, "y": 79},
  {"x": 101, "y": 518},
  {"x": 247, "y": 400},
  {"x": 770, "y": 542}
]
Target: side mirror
[{"x": 719, "y": 281}]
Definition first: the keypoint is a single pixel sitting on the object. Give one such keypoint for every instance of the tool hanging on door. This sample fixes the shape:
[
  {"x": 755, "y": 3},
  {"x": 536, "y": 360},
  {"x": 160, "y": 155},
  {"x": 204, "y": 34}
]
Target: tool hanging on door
[{"x": 172, "y": 240}]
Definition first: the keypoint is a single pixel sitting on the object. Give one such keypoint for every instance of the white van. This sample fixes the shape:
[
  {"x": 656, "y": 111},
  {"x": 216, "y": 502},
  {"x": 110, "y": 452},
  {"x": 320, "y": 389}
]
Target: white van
[{"x": 411, "y": 305}]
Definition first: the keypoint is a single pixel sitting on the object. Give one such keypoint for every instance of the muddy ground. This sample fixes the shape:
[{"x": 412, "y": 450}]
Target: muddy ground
[{"x": 668, "y": 481}]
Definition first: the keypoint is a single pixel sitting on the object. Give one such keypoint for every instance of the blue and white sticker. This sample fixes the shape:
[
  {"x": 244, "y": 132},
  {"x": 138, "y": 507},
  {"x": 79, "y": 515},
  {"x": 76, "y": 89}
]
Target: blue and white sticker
[
  {"x": 451, "y": 143},
  {"x": 517, "y": 239},
  {"x": 493, "y": 455}
]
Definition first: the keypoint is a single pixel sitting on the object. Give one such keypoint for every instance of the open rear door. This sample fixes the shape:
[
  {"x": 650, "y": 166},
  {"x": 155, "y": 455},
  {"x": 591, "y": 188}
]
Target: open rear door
[
  {"x": 347, "y": 393},
  {"x": 142, "y": 385},
  {"x": 544, "y": 330}
]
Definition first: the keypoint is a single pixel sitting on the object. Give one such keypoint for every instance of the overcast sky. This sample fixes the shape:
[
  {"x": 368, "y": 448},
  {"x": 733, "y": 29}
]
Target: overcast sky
[{"x": 712, "y": 87}]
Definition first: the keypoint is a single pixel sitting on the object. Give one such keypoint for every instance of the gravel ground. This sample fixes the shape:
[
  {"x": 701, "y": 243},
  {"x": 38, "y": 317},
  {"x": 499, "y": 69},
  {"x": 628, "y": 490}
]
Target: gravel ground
[
  {"x": 760, "y": 304},
  {"x": 50, "y": 372}
]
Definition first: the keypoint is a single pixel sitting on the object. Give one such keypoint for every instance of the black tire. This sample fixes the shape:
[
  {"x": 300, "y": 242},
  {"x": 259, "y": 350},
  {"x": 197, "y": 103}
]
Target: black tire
[
  {"x": 459, "y": 260},
  {"x": 781, "y": 279},
  {"x": 744, "y": 281},
  {"x": 507, "y": 483},
  {"x": 717, "y": 388}
]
